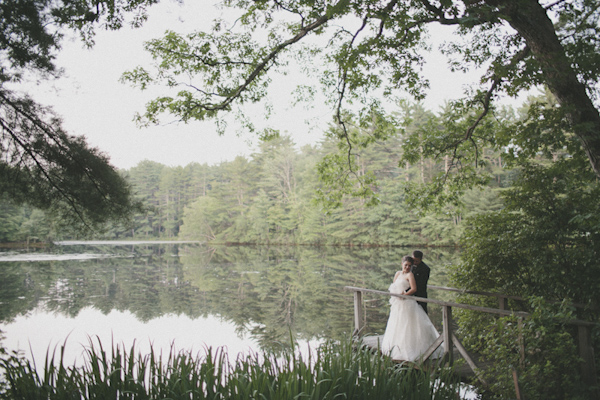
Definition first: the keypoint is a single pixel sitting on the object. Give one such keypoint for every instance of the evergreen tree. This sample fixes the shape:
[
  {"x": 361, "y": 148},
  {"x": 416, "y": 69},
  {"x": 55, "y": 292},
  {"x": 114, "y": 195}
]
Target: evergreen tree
[{"x": 40, "y": 163}]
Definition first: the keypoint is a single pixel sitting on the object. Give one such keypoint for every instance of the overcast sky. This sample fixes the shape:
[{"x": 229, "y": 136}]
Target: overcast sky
[{"x": 94, "y": 103}]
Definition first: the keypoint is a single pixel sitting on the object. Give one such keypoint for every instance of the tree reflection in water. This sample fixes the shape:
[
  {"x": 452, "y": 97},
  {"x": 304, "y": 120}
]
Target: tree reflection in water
[{"x": 268, "y": 293}]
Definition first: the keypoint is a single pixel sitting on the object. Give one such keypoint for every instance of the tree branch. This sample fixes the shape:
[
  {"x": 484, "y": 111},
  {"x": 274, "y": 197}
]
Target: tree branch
[
  {"x": 552, "y": 5},
  {"x": 263, "y": 65},
  {"x": 486, "y": 102},
  {"x": 43, "y": 170},
  {"x": 441, "y": 18},
  {"x": 50, "y": 133}
]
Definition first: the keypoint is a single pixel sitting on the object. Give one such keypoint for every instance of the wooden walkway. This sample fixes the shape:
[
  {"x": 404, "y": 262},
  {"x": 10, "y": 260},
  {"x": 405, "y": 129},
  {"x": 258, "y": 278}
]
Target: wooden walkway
[
  {"x": 462, "y": 370},
  {"x": 474, "y": 365}
]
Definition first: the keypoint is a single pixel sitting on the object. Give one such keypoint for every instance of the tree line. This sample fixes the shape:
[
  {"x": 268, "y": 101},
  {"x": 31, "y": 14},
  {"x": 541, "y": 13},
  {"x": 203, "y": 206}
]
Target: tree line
[{"x": 272, "y": 197}]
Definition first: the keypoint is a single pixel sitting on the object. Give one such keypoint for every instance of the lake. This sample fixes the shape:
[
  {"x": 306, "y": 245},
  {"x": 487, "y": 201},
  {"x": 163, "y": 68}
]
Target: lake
[{"x": 188, "y": 296}]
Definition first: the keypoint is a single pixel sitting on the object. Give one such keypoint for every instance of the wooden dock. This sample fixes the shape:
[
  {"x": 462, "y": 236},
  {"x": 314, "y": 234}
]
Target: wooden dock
[
  {"x": 471, "y": 366},
  {"x": 461, "y": 368}
]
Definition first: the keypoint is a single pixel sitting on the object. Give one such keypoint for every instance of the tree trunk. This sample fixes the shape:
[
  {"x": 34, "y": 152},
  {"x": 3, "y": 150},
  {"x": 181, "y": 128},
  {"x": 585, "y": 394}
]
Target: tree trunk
[
  {"x": 422, "y": 165},
  {"x": 531, "y": 21}
]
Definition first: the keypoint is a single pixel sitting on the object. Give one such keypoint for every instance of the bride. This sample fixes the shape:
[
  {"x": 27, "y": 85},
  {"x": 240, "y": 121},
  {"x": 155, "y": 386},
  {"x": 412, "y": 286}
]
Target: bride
[{"x": 409, "y": 332}]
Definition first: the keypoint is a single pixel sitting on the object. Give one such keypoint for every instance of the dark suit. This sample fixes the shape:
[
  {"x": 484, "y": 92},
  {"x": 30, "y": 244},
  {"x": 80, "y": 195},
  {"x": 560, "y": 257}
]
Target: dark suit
[{"x": 421, "y": 273}]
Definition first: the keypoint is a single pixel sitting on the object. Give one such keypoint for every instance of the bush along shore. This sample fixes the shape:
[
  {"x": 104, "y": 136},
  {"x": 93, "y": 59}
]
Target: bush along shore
[{"x": 332, "y": 371}]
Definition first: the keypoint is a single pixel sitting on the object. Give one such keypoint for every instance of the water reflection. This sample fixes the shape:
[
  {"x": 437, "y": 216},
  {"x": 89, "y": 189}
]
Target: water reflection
[
  {"x": 121, "y": 328},
  {"x": 262, "y": 295}
]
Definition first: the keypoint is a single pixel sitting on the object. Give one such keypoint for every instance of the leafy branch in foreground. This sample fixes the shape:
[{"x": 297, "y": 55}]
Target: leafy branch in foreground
[
  {"x": 369, "y": 50},
  {"x": 49, "y": 169},
  {"x": 40, "y": 164}
]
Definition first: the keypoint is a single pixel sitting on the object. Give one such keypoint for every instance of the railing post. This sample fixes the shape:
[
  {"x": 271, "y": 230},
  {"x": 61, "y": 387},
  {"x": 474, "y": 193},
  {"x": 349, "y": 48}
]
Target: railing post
[
  {"x": 586, "y": 352},
  {"x": 503, "y": 303},
  {"x": 517, "y": 386},
  {"x": 447, "y": 322},
  {"x": 358, "y": 325},
  {"x": 521, "y": 342}
]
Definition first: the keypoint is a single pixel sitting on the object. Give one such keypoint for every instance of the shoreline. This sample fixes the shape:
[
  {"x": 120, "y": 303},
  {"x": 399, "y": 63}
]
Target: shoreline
[{"x": 41, "y": 245}]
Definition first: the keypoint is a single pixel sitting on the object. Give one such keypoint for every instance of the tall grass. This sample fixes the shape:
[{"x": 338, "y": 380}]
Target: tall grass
[{"x": 332, "y": 371}]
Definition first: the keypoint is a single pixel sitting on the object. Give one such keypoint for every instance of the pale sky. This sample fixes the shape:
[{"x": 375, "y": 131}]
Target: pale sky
[{"x": 95, "y": 104}]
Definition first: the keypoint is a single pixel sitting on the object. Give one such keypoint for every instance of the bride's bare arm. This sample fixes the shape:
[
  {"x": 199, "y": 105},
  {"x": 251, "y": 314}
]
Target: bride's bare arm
[{"x": 397, "y": 275}]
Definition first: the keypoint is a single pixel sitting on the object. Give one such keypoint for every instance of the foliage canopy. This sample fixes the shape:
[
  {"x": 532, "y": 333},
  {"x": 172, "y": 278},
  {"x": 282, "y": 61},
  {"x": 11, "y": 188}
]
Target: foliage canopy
[
  {"x": 40, "y": 163},
  {"x": 370, "y": 48}
]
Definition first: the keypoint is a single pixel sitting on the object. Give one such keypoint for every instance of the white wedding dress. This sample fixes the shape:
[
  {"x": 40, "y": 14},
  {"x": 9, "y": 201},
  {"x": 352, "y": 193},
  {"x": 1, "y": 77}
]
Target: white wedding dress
[{"x": 409, "y": 332}]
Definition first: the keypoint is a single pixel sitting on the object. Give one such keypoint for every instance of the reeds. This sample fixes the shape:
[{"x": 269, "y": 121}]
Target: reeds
[{"x": 332, "y": 371}]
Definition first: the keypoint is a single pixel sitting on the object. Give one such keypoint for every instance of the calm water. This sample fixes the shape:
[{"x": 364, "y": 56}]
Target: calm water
[{"x": 189, "y": 296}]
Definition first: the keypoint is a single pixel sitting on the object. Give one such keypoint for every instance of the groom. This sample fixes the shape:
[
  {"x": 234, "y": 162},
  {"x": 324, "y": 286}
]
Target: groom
[{"x": 421, "y": 272}]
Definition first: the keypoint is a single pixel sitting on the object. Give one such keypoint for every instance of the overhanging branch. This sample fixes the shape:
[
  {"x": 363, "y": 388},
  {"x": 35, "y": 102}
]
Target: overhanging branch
[
  {"x": 264, "y": 64},
  {"x": 486, "y": 104}
]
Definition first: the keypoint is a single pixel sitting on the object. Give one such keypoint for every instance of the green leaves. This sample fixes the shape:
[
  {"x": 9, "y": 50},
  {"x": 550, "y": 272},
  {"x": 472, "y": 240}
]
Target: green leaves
[
  {"x": 545, "y": 239},
  {"x": 226, "y": 68},
  {"x": 544, "y": 364},
  {"x": 331, "y": 371},
  {"x": 219, "y": 71},
  {"x": 213, "y": 70},
  {"x": 46, "y": 168},
  {"x": 42, "y": 165},
  {"x": 579, "y": 27},
  {"x": 341, "y": 177},
  {"x": 376, "y": 49}
]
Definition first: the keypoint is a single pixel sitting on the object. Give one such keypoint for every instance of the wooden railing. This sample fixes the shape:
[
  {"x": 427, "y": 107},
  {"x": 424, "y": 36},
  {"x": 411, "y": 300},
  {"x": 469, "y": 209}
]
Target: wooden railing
[
  {"x": 503, "y": 298},
  {"x": 449, "y": 339}
]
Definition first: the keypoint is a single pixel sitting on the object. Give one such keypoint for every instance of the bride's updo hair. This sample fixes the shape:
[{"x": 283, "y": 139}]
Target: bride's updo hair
[{"x": 408, "y": 258}]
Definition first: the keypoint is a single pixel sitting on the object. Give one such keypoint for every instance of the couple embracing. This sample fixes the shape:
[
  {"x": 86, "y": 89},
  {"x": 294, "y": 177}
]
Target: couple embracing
[{"x": 409, "y": 332}]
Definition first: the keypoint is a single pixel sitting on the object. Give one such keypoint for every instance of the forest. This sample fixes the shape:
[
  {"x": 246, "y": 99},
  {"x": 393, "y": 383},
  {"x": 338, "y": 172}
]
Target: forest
[{"x": 272, "y": 198}]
